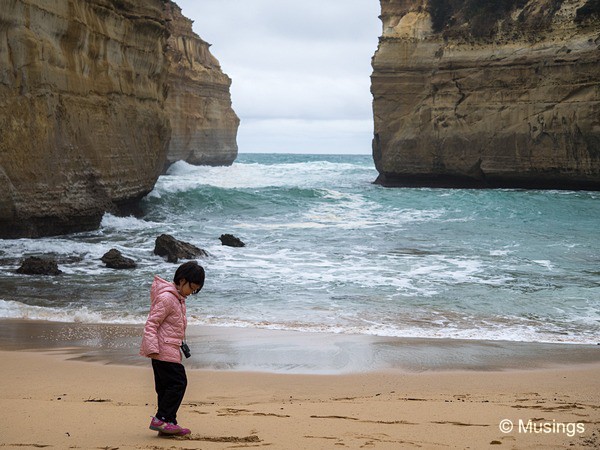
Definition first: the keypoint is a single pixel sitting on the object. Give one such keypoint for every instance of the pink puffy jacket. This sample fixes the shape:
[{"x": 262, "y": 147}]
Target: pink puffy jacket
[{"x": 166, "y": 324}]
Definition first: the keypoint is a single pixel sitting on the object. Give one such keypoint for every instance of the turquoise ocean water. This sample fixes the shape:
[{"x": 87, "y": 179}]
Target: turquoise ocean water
[{"x": 328, "y": 251}]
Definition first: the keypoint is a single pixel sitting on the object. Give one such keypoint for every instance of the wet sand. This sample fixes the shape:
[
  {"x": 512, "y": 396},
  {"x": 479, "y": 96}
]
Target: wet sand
[{"x": 250, "y": 350}]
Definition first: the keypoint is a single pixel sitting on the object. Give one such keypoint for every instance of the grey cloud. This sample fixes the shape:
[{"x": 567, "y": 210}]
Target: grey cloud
[
  {"x": 307, "y": 136},
  {"x": 260, "y": 95},
  {"x": 307, "y": 62}
]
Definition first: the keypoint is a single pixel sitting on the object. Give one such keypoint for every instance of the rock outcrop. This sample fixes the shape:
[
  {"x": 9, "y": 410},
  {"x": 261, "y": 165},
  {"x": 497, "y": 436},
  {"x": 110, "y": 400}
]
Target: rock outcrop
[
  {"x": 203, "y": 123},
  {"x": 174, "y": 249},
  {"x": 39, "y": 266},
  {"x": 114, "y": 259},
  {"x": 230, "y": 240},
  {"x": 85, "y": 125},
  {"x": 486, "y": 93}
]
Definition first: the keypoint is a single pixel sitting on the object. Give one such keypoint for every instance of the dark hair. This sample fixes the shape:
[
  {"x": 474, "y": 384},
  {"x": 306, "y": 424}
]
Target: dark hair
[{"x": 191, "y": 272}]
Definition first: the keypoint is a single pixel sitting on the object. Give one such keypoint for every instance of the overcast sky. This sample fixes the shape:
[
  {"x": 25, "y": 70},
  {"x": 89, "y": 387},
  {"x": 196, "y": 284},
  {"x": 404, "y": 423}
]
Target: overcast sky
[{"x": 300, "y": 70}]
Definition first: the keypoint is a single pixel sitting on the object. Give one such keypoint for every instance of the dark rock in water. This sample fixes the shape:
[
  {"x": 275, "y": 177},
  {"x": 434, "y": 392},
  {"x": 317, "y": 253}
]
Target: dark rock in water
[
  {"x": 231, "y": 241},
  {"x": 39, "y": 266},
  {"x": 114, "y": 259},
  {"x": 174, "y": 249}
]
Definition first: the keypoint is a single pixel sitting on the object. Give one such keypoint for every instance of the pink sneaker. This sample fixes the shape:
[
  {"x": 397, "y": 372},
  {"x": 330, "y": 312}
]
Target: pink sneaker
[
  {"x": 167, "y": 428},
  {"x": 182, "y": 431}
]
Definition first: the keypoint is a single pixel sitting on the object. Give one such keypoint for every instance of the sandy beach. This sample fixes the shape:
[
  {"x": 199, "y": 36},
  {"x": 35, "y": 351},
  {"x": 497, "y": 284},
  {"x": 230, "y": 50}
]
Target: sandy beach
[{"x": 54, "y": 398}]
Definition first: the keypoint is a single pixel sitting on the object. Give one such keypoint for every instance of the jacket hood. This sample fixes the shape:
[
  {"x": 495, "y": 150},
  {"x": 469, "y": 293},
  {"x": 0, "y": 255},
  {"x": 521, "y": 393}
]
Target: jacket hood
[{"x": 160, "y": 286}]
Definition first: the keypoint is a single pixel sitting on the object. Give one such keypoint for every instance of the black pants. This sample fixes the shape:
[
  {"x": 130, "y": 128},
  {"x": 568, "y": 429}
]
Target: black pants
[{"x": 170, "y": 382}]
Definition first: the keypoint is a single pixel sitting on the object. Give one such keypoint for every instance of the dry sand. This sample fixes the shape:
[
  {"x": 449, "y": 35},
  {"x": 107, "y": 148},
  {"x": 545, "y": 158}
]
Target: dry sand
[{"x": 49, "y": 400}]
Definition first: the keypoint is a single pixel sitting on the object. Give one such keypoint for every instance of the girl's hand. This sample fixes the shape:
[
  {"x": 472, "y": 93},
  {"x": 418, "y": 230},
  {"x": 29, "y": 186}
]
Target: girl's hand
[{"x": 153, "y": 355}]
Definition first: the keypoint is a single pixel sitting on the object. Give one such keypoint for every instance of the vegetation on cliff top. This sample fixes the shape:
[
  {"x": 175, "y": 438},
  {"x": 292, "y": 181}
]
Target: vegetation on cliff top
[
  {"x": 483, "y": 19},
  {"x": 588, "y": 12}
]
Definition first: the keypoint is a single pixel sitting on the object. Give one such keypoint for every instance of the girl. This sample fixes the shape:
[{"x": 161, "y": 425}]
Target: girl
[{"x": 164, "y": 334}]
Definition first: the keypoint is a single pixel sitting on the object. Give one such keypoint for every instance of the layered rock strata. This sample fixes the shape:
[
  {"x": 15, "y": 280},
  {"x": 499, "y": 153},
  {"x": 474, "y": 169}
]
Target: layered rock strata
[
  {"x": 84, "y": 130},
  {"x": 85, "y": 125},
  {"x": 480, "y": 93},
  {"x": 203, "y": 123}
]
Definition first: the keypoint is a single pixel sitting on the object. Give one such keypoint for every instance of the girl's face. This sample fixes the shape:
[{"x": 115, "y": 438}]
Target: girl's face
[{"x": 186, "y": 288}]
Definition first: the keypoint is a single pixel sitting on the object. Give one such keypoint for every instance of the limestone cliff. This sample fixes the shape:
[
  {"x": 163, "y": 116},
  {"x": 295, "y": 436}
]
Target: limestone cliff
[
  {"x": 488, "y": 94},
  {"x": 82, "y": 88},
  {"x": 204, "y": 125},
  {"x": 85, "y": 124}
]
